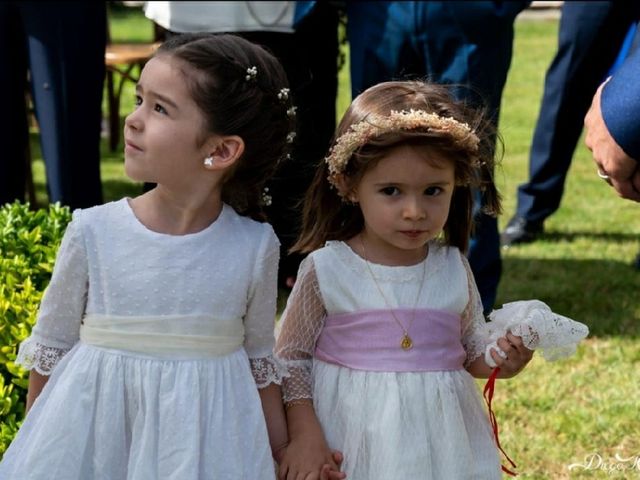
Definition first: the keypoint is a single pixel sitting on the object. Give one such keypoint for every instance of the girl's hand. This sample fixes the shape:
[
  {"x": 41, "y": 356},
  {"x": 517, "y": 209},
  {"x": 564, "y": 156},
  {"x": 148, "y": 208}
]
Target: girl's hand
[
  {"x": 308, "y": 458},
  {"x": 516, "y": 355},
  {"x": 278, "y": 454},
  {"x": 327, "y": 473}
]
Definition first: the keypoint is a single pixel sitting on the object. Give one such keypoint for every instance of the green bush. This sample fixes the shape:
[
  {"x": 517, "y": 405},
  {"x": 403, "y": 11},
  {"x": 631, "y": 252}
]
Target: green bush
[{"x": 29, "y": 241}]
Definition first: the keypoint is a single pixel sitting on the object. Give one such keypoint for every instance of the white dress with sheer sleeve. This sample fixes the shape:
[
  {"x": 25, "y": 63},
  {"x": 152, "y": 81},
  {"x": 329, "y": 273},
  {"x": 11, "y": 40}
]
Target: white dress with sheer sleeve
[
  {"x": 394, "y": 413},
  {"x": 156, "y": 346}
]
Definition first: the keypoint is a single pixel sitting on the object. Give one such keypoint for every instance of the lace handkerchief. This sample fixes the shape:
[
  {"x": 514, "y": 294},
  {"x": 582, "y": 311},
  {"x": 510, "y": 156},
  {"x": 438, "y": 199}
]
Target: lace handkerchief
[{"x": 555, "y": 335}]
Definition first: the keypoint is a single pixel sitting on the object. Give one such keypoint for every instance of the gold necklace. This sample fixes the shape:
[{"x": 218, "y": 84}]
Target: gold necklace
[{"x": 406, "y": 342}]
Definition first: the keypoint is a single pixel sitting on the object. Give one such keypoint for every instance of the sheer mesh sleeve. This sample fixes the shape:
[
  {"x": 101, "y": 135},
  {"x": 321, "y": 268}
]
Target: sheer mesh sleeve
[
  {"x": 261, "y": 314},
  {"x": 474, "y": 334},
  {"x": 57, "y": 328},
  {"x": 301, "y": 324}
]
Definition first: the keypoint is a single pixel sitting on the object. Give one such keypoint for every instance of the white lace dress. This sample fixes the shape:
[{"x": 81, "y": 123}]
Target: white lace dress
[
  {"x": 155, "y": 344},
  {"x": 394, "y": 413}
]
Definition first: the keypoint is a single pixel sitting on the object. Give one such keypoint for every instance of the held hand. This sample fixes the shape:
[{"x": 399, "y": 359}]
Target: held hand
[
  {"x": 327, "y": 473},
  {"x": 278, "y": 454},
  {"x": 611, "y": 161},
  {"x": 516, "y": 355},
  {"x": 309, "y": 458}
]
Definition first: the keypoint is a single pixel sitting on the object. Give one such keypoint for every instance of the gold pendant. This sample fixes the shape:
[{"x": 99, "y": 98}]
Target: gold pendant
[{"x": 406, "y": 342}]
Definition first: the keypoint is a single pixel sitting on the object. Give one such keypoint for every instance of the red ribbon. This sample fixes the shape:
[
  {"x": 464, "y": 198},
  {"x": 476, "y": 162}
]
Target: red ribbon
[{"x": 488, "y": 397}]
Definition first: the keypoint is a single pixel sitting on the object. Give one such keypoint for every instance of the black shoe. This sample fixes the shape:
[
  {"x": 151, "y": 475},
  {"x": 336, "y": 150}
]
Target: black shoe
[
  {"x": 636, "y": 262},
  {"x": 520, "y": 230}
]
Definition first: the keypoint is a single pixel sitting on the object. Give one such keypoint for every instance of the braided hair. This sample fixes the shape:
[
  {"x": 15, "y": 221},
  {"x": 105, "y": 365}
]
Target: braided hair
[{"x": 242, "y": 90}]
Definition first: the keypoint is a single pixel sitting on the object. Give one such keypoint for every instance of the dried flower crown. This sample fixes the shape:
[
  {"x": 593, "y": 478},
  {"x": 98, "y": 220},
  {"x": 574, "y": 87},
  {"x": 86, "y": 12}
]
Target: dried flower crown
[{"x": 373, "y": 126}]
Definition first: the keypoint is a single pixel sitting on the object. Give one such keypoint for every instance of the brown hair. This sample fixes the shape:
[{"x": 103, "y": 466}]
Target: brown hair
[
  {"x": 236, "y": 103},
  {"x": 327, "y": 217}
]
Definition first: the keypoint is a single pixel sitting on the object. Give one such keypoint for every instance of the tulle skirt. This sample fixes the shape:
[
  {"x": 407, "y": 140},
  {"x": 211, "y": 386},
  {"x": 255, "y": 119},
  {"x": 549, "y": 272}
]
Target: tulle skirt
[
  {"x": 107, "y": 414},
  {"x": 410, "y": 426}
]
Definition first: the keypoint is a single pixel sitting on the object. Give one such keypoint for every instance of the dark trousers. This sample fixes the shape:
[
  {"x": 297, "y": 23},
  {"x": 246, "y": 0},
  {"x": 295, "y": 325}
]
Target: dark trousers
[
  {"x": 589, "y": 39},
  {"x": 463, "y": 43},
  {"x": 61, "y": 45}
]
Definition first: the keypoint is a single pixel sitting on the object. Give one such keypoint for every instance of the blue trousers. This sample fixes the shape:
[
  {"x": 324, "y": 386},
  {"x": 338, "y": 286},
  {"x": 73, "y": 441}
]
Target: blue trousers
[
  {"x": 590, "y": 37},
  {"x": 462, "y": 43},
  {"x": 61, "y": 45}
]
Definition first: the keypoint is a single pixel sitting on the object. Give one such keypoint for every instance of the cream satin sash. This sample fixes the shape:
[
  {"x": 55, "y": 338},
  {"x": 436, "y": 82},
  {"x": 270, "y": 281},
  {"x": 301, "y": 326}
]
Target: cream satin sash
[{"x": 190, "y": 336}]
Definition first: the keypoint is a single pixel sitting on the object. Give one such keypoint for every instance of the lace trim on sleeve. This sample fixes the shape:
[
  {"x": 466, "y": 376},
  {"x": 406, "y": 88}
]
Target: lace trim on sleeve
[
  {"x": 474, "y": 335},
  {"x": 267, "y": 370},
  {"x": 301, "y": 324},
  {"x": 33, "y": 355}
]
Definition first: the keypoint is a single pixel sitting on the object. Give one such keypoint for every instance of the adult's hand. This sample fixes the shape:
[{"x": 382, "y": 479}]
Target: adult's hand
[{"x": 610, "y": 159}]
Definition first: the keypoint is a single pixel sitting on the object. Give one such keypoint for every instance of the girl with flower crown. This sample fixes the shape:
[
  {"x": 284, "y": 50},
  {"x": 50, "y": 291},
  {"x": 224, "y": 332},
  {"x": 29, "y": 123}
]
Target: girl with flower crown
[
  {"x": 152, "y": 355},
  {"x": 383, "y": 333}
]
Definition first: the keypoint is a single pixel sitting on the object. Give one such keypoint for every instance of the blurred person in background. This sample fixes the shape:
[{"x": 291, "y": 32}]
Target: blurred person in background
[
  {"x": 613, "y": 131},
  {"x": 590, "y": 39},
  {"x": 55, "y": 49}
]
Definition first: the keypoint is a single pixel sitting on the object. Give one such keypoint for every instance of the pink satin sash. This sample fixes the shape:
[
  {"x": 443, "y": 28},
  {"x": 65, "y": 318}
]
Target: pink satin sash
[{"x": 370, "y": 340}]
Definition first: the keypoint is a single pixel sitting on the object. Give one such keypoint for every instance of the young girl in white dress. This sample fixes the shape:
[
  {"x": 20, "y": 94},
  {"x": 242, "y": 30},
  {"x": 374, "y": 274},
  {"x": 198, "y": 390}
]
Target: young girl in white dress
[
  {"x": 152, "y": 353},
  {"x": 383, "y": 332}
]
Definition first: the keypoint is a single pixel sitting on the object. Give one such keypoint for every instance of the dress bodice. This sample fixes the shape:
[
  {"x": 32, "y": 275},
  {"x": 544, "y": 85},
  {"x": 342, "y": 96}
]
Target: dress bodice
[{"x": 111, "y": 266}]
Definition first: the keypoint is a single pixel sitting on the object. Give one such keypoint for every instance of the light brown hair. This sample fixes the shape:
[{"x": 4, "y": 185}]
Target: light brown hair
[{"x": 327, "y": 217}]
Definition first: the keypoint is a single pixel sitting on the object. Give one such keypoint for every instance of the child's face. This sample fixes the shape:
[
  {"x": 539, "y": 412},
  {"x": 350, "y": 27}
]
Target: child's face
[
  {"x": 162, "y": 133},
  {"x": 405, "y": 202}
]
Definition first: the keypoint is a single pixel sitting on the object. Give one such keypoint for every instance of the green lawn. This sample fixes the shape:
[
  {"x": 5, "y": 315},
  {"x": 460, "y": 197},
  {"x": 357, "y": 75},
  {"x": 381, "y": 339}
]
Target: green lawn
[{"x": 553, "y": 414}]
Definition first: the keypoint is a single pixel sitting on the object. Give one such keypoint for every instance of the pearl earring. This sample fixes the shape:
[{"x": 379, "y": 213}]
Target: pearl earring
[{"x": 208, "y": 161}]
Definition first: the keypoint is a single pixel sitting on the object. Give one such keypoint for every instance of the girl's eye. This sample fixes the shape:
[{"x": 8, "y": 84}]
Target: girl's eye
[
  {"x": 390, "y": 191},
  {"x": 138, "y": 101},
  {"x": 160, "y": 109},
  {"x": 432, "y": 191}
]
